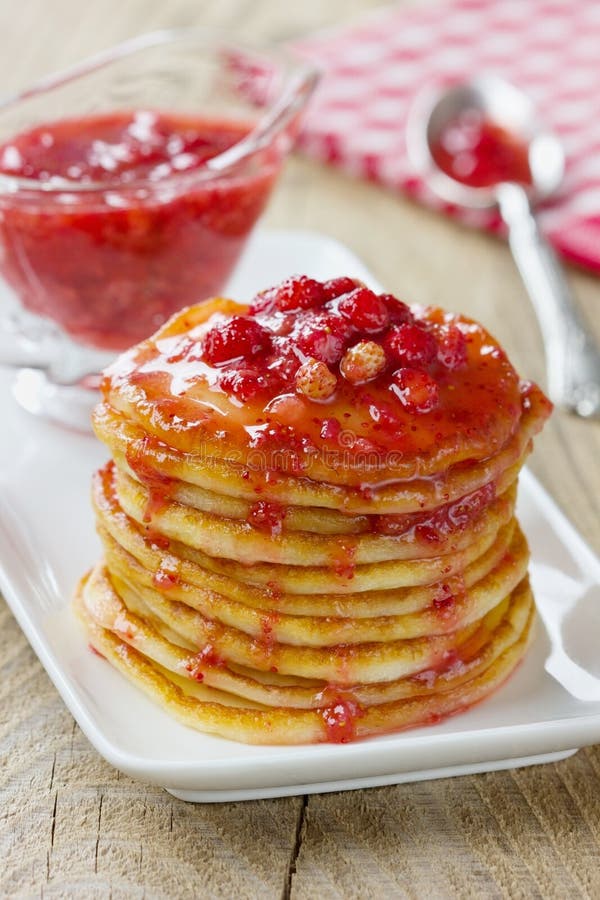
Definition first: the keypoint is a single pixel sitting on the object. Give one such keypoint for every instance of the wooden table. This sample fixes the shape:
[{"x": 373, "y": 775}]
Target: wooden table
[{"x": 71, "y": 826}]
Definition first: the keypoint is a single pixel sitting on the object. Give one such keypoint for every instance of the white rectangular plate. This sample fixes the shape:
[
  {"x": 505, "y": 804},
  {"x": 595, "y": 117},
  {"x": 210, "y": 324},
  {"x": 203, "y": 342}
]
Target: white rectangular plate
[{"x": 47, "y": 540}]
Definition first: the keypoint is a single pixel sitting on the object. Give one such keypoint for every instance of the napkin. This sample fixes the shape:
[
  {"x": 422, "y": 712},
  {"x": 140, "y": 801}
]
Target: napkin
[{"x": 374, "y": 68}]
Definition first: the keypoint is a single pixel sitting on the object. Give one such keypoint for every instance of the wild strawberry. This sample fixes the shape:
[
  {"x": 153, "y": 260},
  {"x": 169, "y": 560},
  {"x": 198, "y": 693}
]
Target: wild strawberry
[
  {"x": 323, "y": 336},
  {"x": 452, "y": 347},
  {"x": 363, "y": 362},
  {"x": 367, "y": 312},
  {"x": 416, "y": 390},
  {"x": 264, "y": 302},
  {"x": 239, "y": 337},
  {"x": 315, "y": 381},
  {"x": 284, "y": 363},
  {"x": 299, "y": 292},
  {"x": 399, "y": 313},
  {"x": 410, "y": 345},
  {"x": 335, "y": 287},
  {"x": 243, "y": 384}
]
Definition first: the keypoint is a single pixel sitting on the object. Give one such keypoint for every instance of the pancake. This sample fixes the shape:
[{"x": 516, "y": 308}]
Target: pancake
[
  {"x": 343, "y": 718},
  {"x": 341, "y": 577},
  {"x": 308, "y": 518},
  {"x": 237, "y": 540},
  {"x": 460, "y": 606},
  {"x": 122, "y": 535},
  {"x": 136, "y": 451},
  {"x": 165, "y": 380}
]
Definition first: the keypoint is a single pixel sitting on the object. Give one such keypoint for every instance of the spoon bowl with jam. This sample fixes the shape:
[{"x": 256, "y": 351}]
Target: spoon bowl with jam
[{"x": 481, "y": 145}]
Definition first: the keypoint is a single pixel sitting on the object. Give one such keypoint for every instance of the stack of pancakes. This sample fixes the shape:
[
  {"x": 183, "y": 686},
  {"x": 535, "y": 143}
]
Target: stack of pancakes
[{"x": 272, "y": 579}]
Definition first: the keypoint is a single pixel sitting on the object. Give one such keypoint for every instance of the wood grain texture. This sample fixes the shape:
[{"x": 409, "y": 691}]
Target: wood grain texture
[{"x": 71, "y": 826}]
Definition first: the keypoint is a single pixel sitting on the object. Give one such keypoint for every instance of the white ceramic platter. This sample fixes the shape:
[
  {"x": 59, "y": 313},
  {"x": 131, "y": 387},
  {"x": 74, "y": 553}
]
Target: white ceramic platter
[{"x": 550, "y": 707}]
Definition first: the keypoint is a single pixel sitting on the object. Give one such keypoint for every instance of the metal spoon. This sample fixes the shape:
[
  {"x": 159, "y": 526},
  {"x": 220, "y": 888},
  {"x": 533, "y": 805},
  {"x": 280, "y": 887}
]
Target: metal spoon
[{"x": 572, "y": 357}]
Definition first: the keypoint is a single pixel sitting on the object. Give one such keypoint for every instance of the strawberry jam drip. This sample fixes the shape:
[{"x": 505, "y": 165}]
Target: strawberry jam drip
[
  {"x": 449, "y": 665},
  {"x": 266, "y": 517},
  {"x": 340, "y": 720},
  {"x": 267, "y": 624},
  {"x": 159, "y": 486},
  {"x": 432, "y": 527},
  {"x": 344, "y": 564},
  {"x": 274, "y": 591},
  {"x": 165, "y": 578},
  {"x": 449, "y": 594},
  {"x": 157, "y": 539},
  {"x": 206, "y": 658}
]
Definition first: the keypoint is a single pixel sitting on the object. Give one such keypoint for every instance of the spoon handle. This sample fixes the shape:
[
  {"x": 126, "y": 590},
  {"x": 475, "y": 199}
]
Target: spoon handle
[{"x": 572, "y": 357}]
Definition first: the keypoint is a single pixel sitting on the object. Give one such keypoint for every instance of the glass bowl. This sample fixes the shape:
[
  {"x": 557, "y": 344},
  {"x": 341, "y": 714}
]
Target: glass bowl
[{"x": 183, "y": 135}]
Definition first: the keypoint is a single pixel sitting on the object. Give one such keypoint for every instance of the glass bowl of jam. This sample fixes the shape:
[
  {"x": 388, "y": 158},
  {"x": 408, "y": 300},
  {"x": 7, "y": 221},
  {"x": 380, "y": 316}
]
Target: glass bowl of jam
[{"x": 129, "y": 186}]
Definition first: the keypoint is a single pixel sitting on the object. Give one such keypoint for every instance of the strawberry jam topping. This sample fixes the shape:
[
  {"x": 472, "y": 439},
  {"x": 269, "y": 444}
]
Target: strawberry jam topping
[
  {"x": 340, "y": 720},
  {"x": 165, "y": 578},
  {"x": 434, "y": 526},
  {"x": 479, "y": 152},
  {"x": 206, "y": 658},
  {"x": 310, "y": 367},
  {"x": 267, "y": 623},
  {"x": 159, "y": 486},
  {"x": 266, "y": 517}
]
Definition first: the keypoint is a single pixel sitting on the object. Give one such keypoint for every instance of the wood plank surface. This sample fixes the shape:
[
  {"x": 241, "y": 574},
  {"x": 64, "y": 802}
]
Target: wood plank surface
[{"x": 71, "y": 826}]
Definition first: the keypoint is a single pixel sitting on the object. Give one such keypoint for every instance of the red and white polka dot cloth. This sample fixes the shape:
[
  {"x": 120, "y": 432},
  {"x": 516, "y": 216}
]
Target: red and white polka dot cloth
[{"x": 372, "y": 71}]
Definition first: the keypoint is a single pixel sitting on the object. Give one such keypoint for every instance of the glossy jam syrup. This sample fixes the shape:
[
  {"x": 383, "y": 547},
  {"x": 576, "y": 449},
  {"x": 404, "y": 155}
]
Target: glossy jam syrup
[
  {"x": 340, "y": 720},
  {"x": 344, "y": 564},
  {"x": 451, "y": 664},
  {"x": 268, "y": 621},
  {"x": 447, "y": 600},
  {"x": 160, "y": 487},
  {"x": 158, "y": 540},
  {"x": 165, "y": 578},
  {"x": 433, "y": 526},
  {"x": 480, "y": 153},
  {"x": 110, "y": 264},
  {"x": 367, "y": 433},
  {"x": 206, "y": 658},
  {"x": 266, "y": 517}
]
